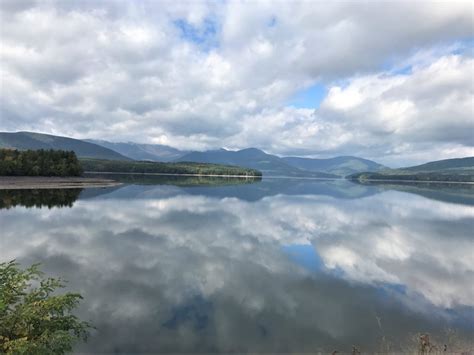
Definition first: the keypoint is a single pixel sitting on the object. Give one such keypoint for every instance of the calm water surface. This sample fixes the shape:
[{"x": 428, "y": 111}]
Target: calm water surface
[{"x": 191, "y": 265}]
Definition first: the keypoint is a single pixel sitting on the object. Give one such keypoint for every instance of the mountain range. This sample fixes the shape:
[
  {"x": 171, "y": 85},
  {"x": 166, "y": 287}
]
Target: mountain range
[
  {"x": 268, "y": 164},
  {"x": 454, "y": 170},
  {"x": 35, "y": 141},
  {"x": 254, "y": 158},
  {"x": 137, "y": 151},
  {"x": 445, "y": 164},
  {"x": 341, "y": 166}
]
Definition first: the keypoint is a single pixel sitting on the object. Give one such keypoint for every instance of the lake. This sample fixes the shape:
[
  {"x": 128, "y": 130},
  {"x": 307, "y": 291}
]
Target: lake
[{"x": 278, "y": 265}]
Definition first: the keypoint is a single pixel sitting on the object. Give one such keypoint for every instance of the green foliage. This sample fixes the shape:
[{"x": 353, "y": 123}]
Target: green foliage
[
  {"x": 448, "y": 170},
  {"x": 144, "y": 167},
  {"x": 34, "y": 319},
  {"x": 441, "y": 165},
  {"x": 453, "y": 175},
  {"x": 39, "y": 163}
]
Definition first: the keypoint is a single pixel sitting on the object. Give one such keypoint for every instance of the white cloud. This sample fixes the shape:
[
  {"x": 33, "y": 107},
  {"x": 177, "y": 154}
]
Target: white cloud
[{"x": 128, "y": 71}]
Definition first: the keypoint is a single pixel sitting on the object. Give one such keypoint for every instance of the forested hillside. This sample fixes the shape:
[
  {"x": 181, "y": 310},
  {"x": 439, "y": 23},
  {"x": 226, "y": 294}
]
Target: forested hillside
[
  {"x": 454, "y": 170},
  {"x": 146, "y": 167},
  {"x": 342, "y": 166},
  {"x": 34, "y": 141},
  {"x": 137, "y": 151}
]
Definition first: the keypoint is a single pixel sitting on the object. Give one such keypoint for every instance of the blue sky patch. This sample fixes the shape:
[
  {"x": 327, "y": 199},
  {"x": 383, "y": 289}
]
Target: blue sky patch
[
  {"x": 466, "y": 47},
  {"x": 304, "y": 255},
  {"x": 402, "y": 71},
  {"x": 310, "y": 97},
  {"x": 204, "y": 36}
]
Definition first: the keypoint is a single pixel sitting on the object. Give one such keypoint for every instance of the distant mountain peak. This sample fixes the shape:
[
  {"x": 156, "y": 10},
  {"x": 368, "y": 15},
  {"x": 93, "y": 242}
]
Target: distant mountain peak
[
  {"x": 147, "y": 151},
  {"x": 340, "y": 165},
  {"x": 252, "y": 150},
  {"x": 24, "y": 140}
]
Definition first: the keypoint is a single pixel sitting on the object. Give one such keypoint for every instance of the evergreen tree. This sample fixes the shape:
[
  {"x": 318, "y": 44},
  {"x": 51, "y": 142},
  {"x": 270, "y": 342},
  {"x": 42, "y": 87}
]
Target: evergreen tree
[{"x": 39, "y": 163}]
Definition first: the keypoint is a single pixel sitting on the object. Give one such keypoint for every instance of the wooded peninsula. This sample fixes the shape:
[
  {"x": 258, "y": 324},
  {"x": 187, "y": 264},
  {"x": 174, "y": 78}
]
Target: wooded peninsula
[{"x": 65, "y": 163}]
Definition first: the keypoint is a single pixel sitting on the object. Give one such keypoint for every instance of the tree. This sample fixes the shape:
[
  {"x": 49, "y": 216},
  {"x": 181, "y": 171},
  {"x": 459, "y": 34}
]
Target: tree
[
  {"x": 39, "y": 163},
  {"x": 34, "y": 319}
]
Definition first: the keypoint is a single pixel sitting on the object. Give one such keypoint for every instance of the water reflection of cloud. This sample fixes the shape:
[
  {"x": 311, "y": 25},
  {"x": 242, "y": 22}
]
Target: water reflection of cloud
[{"x": 149, "y": 263}]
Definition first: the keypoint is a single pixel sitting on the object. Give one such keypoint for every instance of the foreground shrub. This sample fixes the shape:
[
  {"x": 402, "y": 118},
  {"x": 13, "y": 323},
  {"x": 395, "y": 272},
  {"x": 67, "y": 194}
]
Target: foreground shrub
[{"x": 34, "y": 319}]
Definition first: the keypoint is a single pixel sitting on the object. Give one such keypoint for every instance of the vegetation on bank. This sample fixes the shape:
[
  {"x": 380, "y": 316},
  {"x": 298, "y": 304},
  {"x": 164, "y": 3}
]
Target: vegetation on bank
[
  {"x": 65, "y": 163},
  {"x": 447, "y": 170},
  {"x": 442, "y": 165},
  {"x": 147, "y": 167},
  {"x": 34, "y": 318},
  {"x": 453, "y": 175},
  {"x": 39, "y": 163}
]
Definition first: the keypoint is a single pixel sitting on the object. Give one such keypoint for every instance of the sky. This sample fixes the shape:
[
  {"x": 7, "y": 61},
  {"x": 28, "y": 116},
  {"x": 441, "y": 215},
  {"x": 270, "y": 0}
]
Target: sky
[{"x": 389, "y": 81}]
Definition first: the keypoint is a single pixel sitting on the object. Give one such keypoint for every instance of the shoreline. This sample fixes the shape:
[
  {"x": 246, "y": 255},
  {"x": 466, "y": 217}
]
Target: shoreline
[
  {"x": 172, "y": 174},
  {"x": 412, "y": 181},
  {"x": 52, "y": 182},
  {"x": 76, "y": 182},
  {"x": 287, "y": 177}
]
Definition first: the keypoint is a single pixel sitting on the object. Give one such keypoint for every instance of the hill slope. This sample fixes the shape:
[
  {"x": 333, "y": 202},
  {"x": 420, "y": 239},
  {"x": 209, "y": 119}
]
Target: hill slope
[
  {"x": 35, "y": 141},
  {"x": 456, "y": 170},
  {"x": 252, "y": 158},
  {"x": 343, "y": 165},
  {"x": 153, "y": 152},
  {"x": 446, "y": 164}
]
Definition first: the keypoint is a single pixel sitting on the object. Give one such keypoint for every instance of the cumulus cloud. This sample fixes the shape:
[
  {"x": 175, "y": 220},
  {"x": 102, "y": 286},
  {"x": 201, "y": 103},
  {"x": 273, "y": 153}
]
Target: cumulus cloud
[{"x": 204, "y": 75}]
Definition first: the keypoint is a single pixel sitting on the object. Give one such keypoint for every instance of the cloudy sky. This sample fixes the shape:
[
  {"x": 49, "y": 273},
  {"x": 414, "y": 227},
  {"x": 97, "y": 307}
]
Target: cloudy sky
[{"x": 392, "y": 81}]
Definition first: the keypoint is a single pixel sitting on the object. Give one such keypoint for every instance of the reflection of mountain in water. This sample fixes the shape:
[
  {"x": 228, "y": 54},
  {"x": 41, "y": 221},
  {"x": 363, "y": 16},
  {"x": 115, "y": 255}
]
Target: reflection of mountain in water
[
  {"x": 453, "y": 193},
  {"x": 246, "y": 189},
  {"x": 273, "y": 186},
  {"x": 159, "y": 186},
  {"x": 243, "y": 189},
  {"x": 176, "y": 180},
  {"x": 174, "y": 271},
  {"x": 38, "y": 198}
]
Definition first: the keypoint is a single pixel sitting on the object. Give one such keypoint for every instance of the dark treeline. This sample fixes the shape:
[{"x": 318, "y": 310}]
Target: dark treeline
[
  {"x": 39, "y": 163},
  {"x": 147, "y": 167},
  {"x": 447, "y": 176},
  {"x": 38, "y": 198}
]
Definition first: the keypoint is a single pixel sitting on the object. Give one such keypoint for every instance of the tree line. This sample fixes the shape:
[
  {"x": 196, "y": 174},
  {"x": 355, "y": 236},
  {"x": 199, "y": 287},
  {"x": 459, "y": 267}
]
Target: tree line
[
  {"x": 39, "y": 163},
  {"x": 144, "y": 167}
]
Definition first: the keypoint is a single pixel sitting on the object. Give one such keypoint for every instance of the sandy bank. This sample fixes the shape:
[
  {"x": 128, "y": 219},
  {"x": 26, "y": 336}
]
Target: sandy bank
[{"x": 45, "y": 182}]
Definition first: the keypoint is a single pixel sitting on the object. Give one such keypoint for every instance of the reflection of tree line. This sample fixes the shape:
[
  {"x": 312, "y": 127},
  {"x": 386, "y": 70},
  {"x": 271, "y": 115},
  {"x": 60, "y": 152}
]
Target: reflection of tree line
[
  {"x": 65, "y": 197},
  {"x": 185, "y": 181},
  {"x": 38, "y": 198}
]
